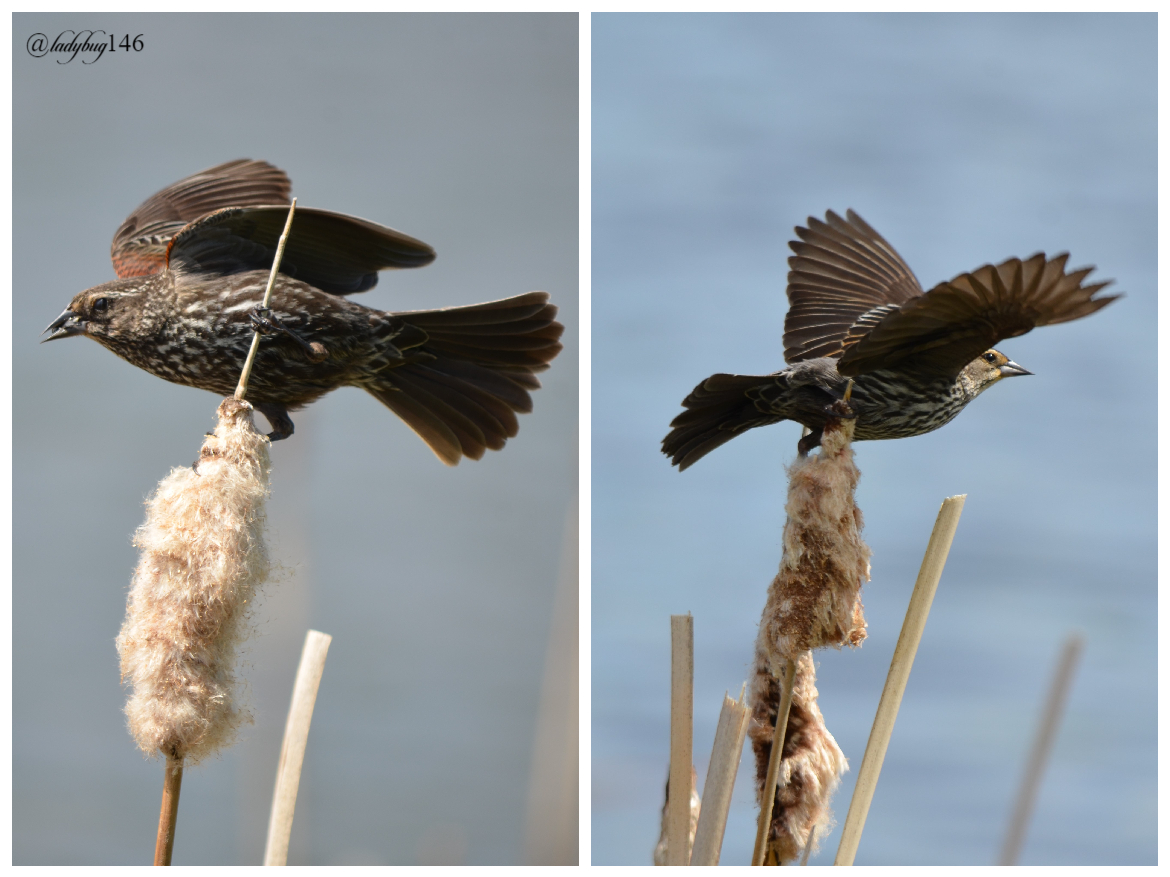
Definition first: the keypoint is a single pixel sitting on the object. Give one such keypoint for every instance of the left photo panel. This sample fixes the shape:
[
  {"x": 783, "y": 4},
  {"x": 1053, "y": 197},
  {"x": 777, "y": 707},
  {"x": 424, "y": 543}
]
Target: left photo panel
[{"x": 295, "y": 541}]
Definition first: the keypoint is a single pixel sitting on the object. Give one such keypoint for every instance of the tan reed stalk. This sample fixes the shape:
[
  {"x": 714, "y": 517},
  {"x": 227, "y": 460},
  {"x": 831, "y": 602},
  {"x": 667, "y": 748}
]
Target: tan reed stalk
[
  {"x": 242, "y": 386},
  {"x": 725, "y": 755},
  {"x": 682, "y": 681},
  {"x": 777, "y": 755},
  {"x": 1041, "y": 749},
  {"x": 887, "y": 712},
  {"x": 292, "y": 749},
  {"x": 695, "y": 808},
  {"x": 164, "y": 843},
  {"x": 551, "y": 819}
]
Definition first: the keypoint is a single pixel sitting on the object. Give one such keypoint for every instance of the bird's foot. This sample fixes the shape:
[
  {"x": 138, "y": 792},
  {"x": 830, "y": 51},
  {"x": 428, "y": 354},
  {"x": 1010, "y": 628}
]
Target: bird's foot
[
  {"x": 267, "y": 323},
  {"x": 809, "y": 442},
  {"x": 277, "y": 415},
  {"x": 841, "y": 410}
]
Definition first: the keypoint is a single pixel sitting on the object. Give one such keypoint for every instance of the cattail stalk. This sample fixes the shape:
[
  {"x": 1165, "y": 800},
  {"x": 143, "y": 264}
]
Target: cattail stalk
[
  {"x": 774, "y": 759},
  {"x": 887, "y": 711},
  {"x": 292, "y": 748},
  {"x": 164, "y": 843},
  {"x": 694, "y": 808},
  {"x": 721, "y": 771},
  {"x": 1041, "y": 749},
  {"x": 682, "y": 681},
  {"x": 242, "y": 386}
]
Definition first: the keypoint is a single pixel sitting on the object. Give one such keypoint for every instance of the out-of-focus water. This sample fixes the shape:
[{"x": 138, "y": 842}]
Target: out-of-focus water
[
  {"x": 436, "y": 584},
  {"x": 963, "y": 139}
]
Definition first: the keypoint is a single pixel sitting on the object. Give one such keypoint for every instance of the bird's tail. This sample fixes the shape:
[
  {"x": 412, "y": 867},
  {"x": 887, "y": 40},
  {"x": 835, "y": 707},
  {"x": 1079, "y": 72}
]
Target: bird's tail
[
  {"x": 718, "y": 409},
  {"x": 479, "y": 364}
]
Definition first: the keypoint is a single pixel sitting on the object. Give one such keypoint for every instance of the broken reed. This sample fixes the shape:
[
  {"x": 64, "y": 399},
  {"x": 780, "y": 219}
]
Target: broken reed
[{"x": 720, "y": 782}]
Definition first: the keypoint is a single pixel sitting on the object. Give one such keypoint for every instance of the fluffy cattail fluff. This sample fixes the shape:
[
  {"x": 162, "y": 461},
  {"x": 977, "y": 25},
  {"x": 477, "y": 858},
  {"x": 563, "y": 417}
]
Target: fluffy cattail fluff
[
  {"x": 692, "y": 825},
  {"x": 203, "y": 558},
  {"x": 812, "y": 764},
  {"x": 814, "y": 601}
]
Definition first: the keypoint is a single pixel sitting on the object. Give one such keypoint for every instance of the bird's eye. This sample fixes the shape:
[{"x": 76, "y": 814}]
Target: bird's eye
[
  {"x": 101, "y": 305},
  {"x": 990, "y": 357}
]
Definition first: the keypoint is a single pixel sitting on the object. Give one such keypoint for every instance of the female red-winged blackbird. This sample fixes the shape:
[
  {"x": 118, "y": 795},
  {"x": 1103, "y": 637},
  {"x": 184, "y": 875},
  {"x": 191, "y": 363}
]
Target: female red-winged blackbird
[
  {"x": 194, "y": 261},
  {"x": 857, "y": 312}
]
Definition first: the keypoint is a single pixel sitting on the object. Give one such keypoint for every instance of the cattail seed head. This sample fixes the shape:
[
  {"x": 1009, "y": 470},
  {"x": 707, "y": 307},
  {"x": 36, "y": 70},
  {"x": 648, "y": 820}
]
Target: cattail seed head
[
  {"x": 202, "y": 560},
  {"x": 812, "y": 764},
  {"x": 815, "y": 599}
]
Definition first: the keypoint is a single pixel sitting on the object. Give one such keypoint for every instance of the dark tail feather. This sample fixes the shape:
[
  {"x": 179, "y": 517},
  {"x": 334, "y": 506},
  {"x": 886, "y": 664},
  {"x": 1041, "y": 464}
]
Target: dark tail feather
[
  {"x": 463, "y": 398},
  {"x": 718, "y": 410}
]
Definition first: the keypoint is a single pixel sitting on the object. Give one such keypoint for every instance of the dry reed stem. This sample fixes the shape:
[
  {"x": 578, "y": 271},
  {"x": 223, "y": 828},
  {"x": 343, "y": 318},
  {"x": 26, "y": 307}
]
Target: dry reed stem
[
  {"x": 202, "y": 559},
  {"x": 1041, "y": 749},
  {"x": 682, "y": 681},
  {"x": 767, "y": 795},
  {"x": 811, "y": 766},
  {"x": 292, "y": 748},
  {"x": 164, "y": 843},
  {"x": 245, "y": 373},
  {"x": 887, "y": 712},
  {"x": 725, "y": 755},
  {"x": 695, "y": 811}
]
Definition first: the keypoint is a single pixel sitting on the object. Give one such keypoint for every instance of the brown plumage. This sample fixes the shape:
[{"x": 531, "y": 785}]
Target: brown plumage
[
  {"x": 856, "y": 312},
  {"x": 194, "y": 261}
]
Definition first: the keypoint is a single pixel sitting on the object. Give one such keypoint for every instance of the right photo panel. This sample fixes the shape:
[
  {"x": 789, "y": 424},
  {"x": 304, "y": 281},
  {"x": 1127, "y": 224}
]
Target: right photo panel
[{"x": 853, "y": 601}]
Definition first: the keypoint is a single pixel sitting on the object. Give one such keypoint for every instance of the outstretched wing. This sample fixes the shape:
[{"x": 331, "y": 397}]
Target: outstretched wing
[
  {"x": 940, "y": 332},
  {"x": 140, "y": 245},
  {"x": 842, "y": 271},
  {"x": 333, "y": 252}
]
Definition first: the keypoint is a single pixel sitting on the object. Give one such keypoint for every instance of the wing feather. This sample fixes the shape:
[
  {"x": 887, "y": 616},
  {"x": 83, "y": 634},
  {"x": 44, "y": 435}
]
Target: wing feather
[
  {"x": 940, "y": 332},
  {"x": 841, "y": 270},
  {"x": 140, "y": 244}
]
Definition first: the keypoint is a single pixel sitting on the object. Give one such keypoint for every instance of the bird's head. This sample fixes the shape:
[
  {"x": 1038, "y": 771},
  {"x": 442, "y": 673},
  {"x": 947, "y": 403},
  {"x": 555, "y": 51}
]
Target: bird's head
[
  {"x": 104, "y": 313},
  {"x": 989, "y": 367}
]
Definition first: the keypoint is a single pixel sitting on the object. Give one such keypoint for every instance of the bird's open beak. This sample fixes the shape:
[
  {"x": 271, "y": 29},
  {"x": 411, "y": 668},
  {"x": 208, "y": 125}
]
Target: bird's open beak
[
  {"x": 1010, "y": 369},
  {"x": 65, "y": 325}
]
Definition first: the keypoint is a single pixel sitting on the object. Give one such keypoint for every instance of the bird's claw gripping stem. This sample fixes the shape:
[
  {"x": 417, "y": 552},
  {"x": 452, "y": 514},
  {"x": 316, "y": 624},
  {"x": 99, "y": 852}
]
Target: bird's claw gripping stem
[
  {"x": 841, "y": 410},
  {"x": 266, "y": 323},
  {"x": 809, "y": 442}
]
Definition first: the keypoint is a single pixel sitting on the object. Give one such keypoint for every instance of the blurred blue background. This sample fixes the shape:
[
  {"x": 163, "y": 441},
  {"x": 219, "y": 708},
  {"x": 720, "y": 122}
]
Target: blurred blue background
[
  {"x": 436, "y": 584},
  {"x": 963, "y": 139}
]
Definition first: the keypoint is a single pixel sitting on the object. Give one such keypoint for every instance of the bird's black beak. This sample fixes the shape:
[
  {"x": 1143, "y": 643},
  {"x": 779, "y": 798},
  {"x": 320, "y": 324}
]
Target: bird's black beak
[
  {"x": 65, "y": 325},
  {"x": 1010, "y": 369}
]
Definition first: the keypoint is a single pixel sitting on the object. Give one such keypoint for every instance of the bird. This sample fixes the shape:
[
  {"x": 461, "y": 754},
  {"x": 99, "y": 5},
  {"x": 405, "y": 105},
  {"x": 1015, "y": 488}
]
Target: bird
[
  {"x": 864, "y": 341},
  {"x": 193, "y": 262}
]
